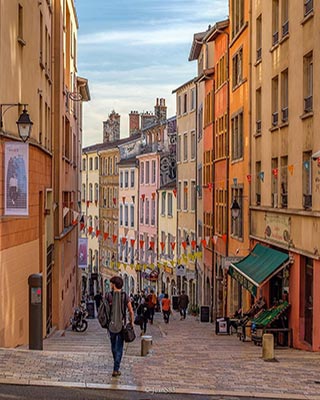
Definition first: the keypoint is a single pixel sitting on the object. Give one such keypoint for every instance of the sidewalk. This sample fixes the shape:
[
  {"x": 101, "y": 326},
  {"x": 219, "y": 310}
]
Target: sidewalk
[{"x": 187, "y": 357}]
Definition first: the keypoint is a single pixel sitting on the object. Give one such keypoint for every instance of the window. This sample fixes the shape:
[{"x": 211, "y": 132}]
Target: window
[
  {"x": 193, "y": 99},
  {"x": 237, "y": 223},
  {"x": 66, "y": 197},
  {"x": 96, "y": 192},
  {"x": 121, "y": 215},
  {"x": 258, "y": 110},
  {"x": 153, "y": 176},
  {"x": 84, "y": 164},
  {"x": 199, "y": 186},
  {"x": 67, "y": 139},
  {"x": 221, "y": 211},
  {"x": 96, "y": 163},
  {"x": 308, "y": 82},
  {"x": 116, "y": 167},
  {"x": 185, "y": 196},
  {"x": 200, "y": 121},
  {"x": 193, "y": 195},
  {"x": 121, "y": 179},
  {"x": 237, "y": 69},
  {"x": 284, "y": 96},
  {"x": 132, "y": 178},
  {"x": 193, "y": 145},
  {"x": 179, "y": 196},
  {"x": 308, "y": 6},
  {"x": 90, "y": 192},
  {"x": 141, "y": 212},
  {"x": 208, "y": 108},
  {"x": 259, "y": 38},
  {"x": 179, "y": 105},
  {"x": 221, "y": 72},
  {"x": 208, "y": 162},
  {"x": 41, "y": 40},
  {"x": 179, "y": 149},
  {"x": 153, "y": 212},
  {"x": 274, "y": 100},
  {"x": 170, "y": 206},
  {"x": 208, "y": 227},
  {"x": 275, "y": 22},
  {"x": 83, "y": 192},
  {"x": 285, "y": 17},
  {"x": 110, "y": 166},
  {"x": 132, "y": 216},
  {"x": 126, "y": 179},
  {"x": 221, "y": 136},
  {"x": 163, "y": 203},
  {"x": 237, "y": 16},
  {"x": 147, "y": 212},
  {"x": 147, "y": 172},
  {"x": 142, "y": 172},
  {"x": 185, "y": 147},
  {"x": 258, "y": 179},
  {"x": 237, "y": 136},
  {"x": 126, "y": 215},
  {"x": 284, "y": 182},
  {"x": 185, "y": 103},
  {"x": 307, "y": 180},
  {"x": 90, "y": 163},
  {"x": 274, "y": 182},
  {"x": 20, "y": 25},
  {"x": 170, "y": 240}
]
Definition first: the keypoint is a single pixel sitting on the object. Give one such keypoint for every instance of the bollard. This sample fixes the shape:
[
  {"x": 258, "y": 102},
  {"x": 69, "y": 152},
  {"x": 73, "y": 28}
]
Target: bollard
[
  {"x": 35, "y": 312},
  {"x": 146, "y": 343},
  {"x": 268, "y": 347}
]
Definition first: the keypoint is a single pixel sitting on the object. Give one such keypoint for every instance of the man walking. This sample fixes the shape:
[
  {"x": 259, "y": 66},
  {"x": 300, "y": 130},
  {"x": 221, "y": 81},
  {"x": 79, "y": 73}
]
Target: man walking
[
  {"x": 183, "y": 304},
  {"x": 119, "y": 302}
]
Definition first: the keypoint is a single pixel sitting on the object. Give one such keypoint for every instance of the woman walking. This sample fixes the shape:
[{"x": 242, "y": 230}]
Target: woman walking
[{"x": 166, "y": 308}]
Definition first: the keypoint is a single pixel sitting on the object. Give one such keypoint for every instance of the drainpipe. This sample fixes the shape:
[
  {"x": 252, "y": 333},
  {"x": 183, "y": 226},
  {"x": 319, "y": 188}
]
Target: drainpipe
[{"x": 196, "y": 197}]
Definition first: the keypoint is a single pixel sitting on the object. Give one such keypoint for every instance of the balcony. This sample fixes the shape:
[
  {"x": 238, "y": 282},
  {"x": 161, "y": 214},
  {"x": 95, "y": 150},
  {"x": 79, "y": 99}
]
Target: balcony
[
  {"x": 275, "y": 38},
  {"x": 259, "y": 54},
  {"x": 308, "y": 103},
  {"x": 308, "y": 7},
  {"x": 275, "y": 118},
  {"x": 285, "y": 114},
  {"x": 285, "y": 28},
  {"x": 307, "y": 201}
]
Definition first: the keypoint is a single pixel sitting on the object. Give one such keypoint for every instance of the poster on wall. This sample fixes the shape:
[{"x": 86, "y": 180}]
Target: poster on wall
[
  {"x": 83, "y": 253},
  {"x": 16, "y": 178}
]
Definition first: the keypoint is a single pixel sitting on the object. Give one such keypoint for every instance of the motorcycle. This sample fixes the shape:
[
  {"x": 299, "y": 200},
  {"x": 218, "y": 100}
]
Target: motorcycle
[{"x": 78, "y": 322}]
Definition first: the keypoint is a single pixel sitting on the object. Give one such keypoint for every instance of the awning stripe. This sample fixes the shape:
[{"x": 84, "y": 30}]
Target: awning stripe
[{"x": 245, "y": 275}]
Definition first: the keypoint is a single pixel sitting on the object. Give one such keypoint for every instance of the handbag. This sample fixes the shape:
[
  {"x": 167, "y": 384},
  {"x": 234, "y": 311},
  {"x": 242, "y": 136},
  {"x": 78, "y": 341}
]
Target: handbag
[
  {"x": 138, "y": 320},
  {"x": 128, "y": 333}
]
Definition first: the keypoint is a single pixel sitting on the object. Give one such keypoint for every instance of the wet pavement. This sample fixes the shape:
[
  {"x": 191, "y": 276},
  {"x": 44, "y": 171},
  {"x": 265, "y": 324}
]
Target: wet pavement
[{"x": 186, "y": 357}]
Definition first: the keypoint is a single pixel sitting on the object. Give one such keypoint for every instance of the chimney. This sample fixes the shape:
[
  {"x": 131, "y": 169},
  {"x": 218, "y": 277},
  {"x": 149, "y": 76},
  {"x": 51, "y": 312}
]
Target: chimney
[
  {"x": 160, "y": 110},
  {"x": 111, "y": 128},
  {"x": 134, "y": 122},
  {"x": 147, "y": 119}
]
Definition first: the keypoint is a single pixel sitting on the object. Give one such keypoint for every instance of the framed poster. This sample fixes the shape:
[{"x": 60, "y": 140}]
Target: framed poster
[
  {"x": 82, "y": 253},
  {"x": 16, "y": 178}
]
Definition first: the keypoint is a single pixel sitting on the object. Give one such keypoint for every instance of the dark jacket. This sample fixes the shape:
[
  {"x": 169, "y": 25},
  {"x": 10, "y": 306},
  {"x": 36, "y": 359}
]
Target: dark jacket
[{"x": 183, "y": 301}]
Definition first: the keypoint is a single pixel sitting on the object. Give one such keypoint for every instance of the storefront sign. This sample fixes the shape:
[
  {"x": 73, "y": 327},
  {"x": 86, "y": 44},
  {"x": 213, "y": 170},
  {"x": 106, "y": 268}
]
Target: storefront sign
[{"x": 278, "y": 228}]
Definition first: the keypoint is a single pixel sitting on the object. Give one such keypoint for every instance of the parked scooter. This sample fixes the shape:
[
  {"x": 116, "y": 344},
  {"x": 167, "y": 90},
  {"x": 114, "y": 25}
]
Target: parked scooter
[{"x": 78, "y": 322}]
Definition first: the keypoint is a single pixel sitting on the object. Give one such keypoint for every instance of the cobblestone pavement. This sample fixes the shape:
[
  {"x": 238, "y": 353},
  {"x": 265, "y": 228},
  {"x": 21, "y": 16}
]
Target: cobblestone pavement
[{"x": 186, "y": 357}]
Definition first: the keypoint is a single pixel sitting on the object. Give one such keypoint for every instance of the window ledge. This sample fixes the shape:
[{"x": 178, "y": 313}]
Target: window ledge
[
  {"x": 237, "y": 160},
  {"x": 306, "y": 115},
  {"x": 234, "y": 88},
  {"x": 307, "y": 17},
  {"x": 274, "y": 47},
  {"x": 21, "y": 41},
  {"x": 274, "y": 128},
  {"x": 257, "y": 134},
  {"x": 41, "y": 64},
  {"x": 284, "y": 38},
  {"x": 259, "y": 61},
  {"x": 284, "y": 124}
]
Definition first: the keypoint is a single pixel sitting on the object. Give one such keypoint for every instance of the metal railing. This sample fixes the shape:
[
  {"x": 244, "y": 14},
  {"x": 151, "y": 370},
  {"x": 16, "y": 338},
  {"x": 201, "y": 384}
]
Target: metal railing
[
  {"x": 285, "y": 114},
  {"x": 275, "y": 118},
  {"x": 308, "y": 6},
  {"x": 308, "y": 103},
  {"x": 285, "y": 28}
]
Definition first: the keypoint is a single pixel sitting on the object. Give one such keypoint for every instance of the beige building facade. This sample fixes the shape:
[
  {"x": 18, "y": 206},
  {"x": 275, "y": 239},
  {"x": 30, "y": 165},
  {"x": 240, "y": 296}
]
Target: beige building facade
[{"x": 285, "y": 165}]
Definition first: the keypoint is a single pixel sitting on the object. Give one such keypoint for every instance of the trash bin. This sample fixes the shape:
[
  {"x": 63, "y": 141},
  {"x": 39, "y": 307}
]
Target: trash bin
[
  {"x": 175, "y": 302},
  {"x": 90, "y": 309},
  {"x": 222, "y": 326},
  {"x": 146, "y": 344},
  {"x": 204, "y": 314}
]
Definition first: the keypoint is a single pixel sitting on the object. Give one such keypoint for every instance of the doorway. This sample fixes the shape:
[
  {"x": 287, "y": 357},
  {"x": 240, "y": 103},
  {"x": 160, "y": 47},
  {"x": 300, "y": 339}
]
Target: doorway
[{"x": 308, "y": 301}]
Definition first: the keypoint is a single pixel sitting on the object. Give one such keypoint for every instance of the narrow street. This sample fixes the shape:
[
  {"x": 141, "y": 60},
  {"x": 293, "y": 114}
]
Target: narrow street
[{"x": 187, "y": 358}]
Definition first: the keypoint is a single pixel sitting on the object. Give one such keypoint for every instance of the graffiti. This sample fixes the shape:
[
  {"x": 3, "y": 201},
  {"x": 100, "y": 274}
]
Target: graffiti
[{"x": 167, "y": 169}]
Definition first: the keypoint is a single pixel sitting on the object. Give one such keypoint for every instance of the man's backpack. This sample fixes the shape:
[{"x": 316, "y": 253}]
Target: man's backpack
[{"x": 104, "y": 312}]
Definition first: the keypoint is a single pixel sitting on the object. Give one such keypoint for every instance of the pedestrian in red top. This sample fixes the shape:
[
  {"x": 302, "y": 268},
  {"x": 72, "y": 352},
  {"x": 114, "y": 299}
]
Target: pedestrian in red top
[{"x": 166, "y": 308}]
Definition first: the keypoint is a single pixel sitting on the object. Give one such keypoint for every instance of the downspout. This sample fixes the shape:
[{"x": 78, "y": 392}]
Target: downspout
[{"x": 196, "y": 195}]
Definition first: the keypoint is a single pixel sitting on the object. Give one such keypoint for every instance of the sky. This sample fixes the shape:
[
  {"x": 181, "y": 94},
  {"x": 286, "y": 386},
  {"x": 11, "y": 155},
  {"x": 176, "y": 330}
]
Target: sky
[{"x": 134, "y": 51}]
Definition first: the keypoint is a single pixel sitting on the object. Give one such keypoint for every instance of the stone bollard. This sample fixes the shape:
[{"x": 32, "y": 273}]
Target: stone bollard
[
  {"x": 146, "y": 343},
  {"x": 268, "y": 347}
]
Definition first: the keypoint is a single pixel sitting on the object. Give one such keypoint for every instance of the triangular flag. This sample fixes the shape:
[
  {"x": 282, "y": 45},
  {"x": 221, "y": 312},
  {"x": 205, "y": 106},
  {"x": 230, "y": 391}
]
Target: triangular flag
[
  {"x": 224, "y": 238},
  {"x": 173, "y": 245},
  {"x": 81, "y": 226},
  {"x": 184, "y": 244},
  {"x": 132, "y": 241},
  {"x": 98, "y": 232},
  {"x": 65, "y": 211},
  {"x": 162, "y": 244},
  {"x": 141, "y": 242},
  {"x": 193, "y": 244},
  {"x": 290, "y": 169},
  {"x": 105, "y": 236},
  {"x": 90, "y": 229},
  {"x": 124, "y": 240},
  {"x": 215, "y": 239},
  {"x": 152, "y": 244},
  {"x": 204, "y": 242},
  {"x": 114, "y": 238}
]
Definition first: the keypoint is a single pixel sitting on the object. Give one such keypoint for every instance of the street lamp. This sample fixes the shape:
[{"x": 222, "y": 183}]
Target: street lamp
[
  {"x": 235, "y": 209},
  {"x": 24, "y": 122}
]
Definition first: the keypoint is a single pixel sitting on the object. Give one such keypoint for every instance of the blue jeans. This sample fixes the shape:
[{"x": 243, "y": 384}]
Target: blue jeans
[
  {"x": 183, "y": 312},
  {"x": 117, "y": 349}
]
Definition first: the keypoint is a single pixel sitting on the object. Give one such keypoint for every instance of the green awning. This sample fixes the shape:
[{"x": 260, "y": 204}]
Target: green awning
[{"x": 258, "y": 267}]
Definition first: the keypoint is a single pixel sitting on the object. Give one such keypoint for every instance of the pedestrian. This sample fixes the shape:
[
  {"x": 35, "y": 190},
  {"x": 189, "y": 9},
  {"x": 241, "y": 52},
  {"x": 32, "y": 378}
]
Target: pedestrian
[
  {"x": 166, "y": 308},
  {"x": 151, "y": 302},
  {"x": 119, "y": 303},
  {"x": 98, "y": 298},
  {"x": 183, "y": 302},
  {"x": 144, "y": 315},
  {"x": 160, "y": 297}
]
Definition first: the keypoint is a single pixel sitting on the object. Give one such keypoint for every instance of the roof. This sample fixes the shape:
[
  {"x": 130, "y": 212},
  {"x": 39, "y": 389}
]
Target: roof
[
  {"x": 196, "y": 45},
  {"x": 128, "y": 161},
  {"x": 93, "y": 148},
  {"x": 216, "y": 30},
  {"x": 184, "y": 85},
  {"x": 169, "y": 185},
  {"x": 258, "y": 267}
]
